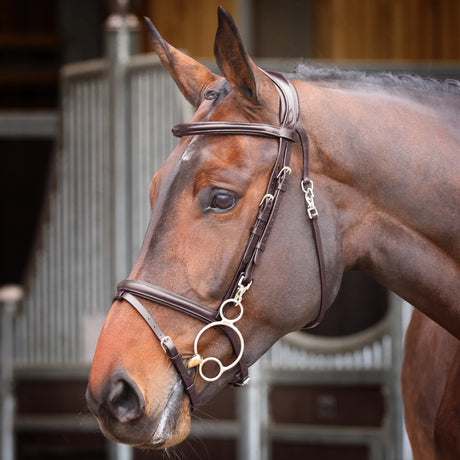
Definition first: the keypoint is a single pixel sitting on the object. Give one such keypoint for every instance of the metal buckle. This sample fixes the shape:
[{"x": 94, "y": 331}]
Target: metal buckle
[
  {"x": 312, "y": 213},
  {"x": 282, "y": 174},
  {"x": 268, "y": 197},
  {"x": 242, "y": 289},
  {"x": 162, "y": 343}
]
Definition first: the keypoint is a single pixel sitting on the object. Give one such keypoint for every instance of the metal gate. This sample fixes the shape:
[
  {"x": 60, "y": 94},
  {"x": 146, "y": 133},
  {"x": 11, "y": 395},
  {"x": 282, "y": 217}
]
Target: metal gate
[
  {"x": 116, "y": 118},
  {"x": 370, "y": 357}
]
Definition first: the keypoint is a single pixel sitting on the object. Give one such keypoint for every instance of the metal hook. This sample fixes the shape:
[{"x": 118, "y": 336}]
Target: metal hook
[{"x": 268, "y": 197}]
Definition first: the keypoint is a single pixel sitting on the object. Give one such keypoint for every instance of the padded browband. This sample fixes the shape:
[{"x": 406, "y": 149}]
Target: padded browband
[{"x": 231, "y": 127}]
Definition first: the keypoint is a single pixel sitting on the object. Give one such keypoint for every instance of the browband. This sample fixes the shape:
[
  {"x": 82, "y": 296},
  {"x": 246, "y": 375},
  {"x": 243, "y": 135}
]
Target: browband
[{"x": 233, "y": 127}]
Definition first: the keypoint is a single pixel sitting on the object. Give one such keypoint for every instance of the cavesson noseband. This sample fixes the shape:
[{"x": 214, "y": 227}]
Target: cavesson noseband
[{"x": 130, "y": 289}]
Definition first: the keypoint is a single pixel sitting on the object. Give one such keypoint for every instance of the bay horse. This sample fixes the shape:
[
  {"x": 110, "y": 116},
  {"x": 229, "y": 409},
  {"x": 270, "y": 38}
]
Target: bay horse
[{"x": 234, "y": 213}]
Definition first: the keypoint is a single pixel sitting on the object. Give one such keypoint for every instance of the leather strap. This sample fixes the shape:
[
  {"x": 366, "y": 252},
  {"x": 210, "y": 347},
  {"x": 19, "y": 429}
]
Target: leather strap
[
  {"x": 168, "y": 346},
  {"x": 168, "y": 299},
  {"x": 184, "y": 305},
  {"x": 233, "y": 127},
  {"x": 305, "y": 144},
  {"x": 322, "y": 274},
  {"x": 289, "y": 113}
]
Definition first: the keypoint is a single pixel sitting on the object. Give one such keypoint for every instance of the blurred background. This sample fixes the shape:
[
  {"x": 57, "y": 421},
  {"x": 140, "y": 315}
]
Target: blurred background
[{"x": 47, "y": 48}]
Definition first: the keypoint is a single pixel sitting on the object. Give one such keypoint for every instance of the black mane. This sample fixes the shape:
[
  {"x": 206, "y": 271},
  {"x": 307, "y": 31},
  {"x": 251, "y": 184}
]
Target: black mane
[{"x": 347, "y": 78}]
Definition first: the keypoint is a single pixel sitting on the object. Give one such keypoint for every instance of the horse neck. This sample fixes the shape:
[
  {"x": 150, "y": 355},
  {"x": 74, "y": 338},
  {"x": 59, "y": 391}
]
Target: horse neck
[{"x": 391, "y": 168}]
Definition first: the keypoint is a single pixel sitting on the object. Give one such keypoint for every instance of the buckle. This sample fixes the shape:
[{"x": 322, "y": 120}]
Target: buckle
[
  {"x": 267, "y": 197},
  {"x": 162, "y": 343},
  {"x": 282, "y": 174}
]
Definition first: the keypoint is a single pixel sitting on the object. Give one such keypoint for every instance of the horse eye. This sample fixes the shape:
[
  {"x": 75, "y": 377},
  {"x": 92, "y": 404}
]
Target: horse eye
[
  {"x": 222, "y": 201},
  {"x": 211, "y": 94}
]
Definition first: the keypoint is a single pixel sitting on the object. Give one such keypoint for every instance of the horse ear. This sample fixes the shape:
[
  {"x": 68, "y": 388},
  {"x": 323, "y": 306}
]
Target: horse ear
[
  {"x": 190, "y": 76},
  {"x": 233, "y": 61}
]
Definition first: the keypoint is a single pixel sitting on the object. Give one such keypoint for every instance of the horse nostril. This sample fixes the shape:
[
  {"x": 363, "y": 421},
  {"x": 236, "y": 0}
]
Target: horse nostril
[{"x": 124, "y": 399}]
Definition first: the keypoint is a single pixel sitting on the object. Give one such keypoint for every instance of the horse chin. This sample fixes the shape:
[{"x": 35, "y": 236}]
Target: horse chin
[
  {"x": 174, "y": 425},
  {"x": 152, "y": 431}
]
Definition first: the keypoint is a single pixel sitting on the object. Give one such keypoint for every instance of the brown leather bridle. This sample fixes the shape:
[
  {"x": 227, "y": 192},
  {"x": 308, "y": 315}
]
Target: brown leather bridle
[{"x": 130, "y": 289}]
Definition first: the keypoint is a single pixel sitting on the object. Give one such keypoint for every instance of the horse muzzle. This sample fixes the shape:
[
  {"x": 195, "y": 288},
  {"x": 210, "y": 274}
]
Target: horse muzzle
[{"x": 124, "y": 416}]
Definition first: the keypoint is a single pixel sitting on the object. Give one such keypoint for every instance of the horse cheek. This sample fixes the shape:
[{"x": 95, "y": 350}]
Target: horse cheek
[{"x": 204, "y": 262}]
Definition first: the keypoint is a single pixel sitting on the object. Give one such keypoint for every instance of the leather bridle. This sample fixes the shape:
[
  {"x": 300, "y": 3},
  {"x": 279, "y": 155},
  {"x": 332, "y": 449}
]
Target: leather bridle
[{"x": 131, "y": 289}]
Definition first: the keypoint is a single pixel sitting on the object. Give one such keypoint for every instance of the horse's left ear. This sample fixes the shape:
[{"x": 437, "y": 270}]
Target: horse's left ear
[
  {"x": 232, "y": 59},
  {"x": 191, "y": 77}
]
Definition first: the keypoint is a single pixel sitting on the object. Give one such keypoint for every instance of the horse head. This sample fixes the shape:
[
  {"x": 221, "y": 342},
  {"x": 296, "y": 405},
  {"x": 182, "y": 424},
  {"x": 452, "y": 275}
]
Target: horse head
[{"x": 205, "y": 200}]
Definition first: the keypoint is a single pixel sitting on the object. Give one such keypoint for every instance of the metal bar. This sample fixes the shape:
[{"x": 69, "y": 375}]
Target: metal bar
[
  {"x": 10, "y": 296},
  {"x": 223, "y": 429},
  {"x": 107, "y": 237},
  {"x": 56, "y": 423},
  {"x": 65, "y": 187},
  {"x": 339, "y": 377},
  {"x": 253, "y": 417},
  {"x": 326, "y": 434},
  {"x": 119, "y": 451},
  {"x": 43, "y": 323},
  {"x": 93, "y": 252},
  {"x": 37, "y": 124},
  {"x": 83, "y": 70},
  {"x": 51, "y": 242},
  {"x": 395, "y": 403},
  {"x": 122, "y": 39},
  {"x": 51, "y": 372}
]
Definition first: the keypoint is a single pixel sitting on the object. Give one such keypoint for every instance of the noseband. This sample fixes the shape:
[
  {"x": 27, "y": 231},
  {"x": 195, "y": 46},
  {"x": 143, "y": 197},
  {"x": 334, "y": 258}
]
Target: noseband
[{"x": 131, "y": 289}]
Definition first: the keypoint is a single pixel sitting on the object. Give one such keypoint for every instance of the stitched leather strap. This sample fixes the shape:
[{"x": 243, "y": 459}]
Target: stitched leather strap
[
  {"x": 233, "y": 127},
  {"x": 305, "y": 144},
  {"x": 322, "y": 274},
  {"x": 289, "y": 113},
  {"x": 168, "y": 299}
]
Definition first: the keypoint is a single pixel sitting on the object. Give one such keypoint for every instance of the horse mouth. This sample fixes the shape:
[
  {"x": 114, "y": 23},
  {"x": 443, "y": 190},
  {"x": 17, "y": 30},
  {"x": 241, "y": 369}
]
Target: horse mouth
[{"x": 174, "y": 424}]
